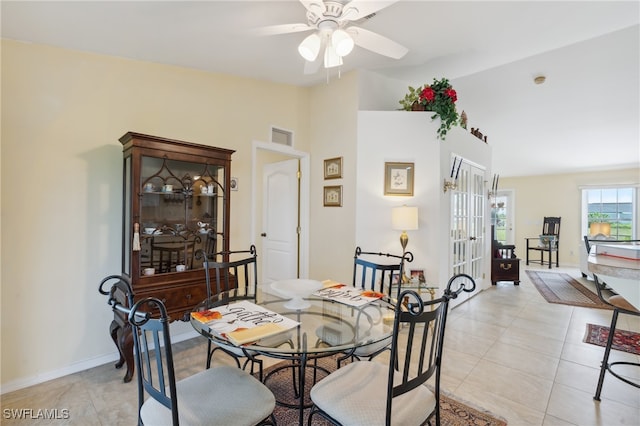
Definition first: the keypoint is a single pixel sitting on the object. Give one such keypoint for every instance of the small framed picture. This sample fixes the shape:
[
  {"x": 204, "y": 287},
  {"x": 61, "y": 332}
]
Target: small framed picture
[
  {"x": 333, "y": 196},
  {"x": 234, "y": 183},
  {"x": 398, "y": 178},
  {"x": 395, "y": 278},
  {"x": 418, "y": 274},
  {"x": 333, "y": 168}
]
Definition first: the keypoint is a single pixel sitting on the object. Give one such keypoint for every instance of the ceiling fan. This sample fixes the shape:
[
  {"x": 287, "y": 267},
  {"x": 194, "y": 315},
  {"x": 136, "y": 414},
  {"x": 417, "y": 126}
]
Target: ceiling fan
[{"x": 334, "y": 33}]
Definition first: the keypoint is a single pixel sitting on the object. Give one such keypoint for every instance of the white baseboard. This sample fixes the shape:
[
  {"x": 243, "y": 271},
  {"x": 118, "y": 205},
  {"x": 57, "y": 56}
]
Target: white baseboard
[{"x": 178, "y": 336}]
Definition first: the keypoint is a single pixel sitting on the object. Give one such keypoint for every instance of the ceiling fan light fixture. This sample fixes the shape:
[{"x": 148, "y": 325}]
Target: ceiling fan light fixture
[
  {"x": 331, "y": 58},
  {"x": 310, "y": 47},
  {"x": 342, "y": 42}
]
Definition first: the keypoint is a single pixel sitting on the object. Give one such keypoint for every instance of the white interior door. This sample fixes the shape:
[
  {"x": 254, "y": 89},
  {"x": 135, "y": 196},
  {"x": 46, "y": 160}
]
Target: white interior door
[{"x": 280, "y": 221}]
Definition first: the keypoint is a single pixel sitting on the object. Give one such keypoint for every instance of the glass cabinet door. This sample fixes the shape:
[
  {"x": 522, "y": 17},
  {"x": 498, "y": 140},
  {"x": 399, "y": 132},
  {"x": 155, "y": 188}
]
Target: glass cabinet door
[{"x": 181, "y": 211}]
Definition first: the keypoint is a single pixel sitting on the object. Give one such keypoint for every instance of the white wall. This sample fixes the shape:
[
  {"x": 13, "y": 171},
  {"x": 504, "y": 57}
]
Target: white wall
[{"x": 400, "y": 136}]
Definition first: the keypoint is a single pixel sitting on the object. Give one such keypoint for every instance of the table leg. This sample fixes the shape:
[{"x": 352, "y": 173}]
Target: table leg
[{"x": 303, "y": 373}]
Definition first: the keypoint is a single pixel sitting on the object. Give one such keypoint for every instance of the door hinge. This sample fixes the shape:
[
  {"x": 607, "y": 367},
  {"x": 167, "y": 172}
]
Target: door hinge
[
  {"x": 298, "y": 230},
  {"x": 299, "y": 174}
]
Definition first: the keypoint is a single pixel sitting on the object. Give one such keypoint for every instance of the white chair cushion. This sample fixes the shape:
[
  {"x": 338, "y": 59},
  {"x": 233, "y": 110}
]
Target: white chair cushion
[
  {"x": 356, "y": 395},
  {"x": 225, "y": 396}
]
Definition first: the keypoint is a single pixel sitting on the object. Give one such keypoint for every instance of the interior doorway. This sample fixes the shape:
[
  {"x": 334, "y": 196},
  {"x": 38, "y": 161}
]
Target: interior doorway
[
  {"x": 502, "y": 214},
  {"x": 274, "y": 262}
]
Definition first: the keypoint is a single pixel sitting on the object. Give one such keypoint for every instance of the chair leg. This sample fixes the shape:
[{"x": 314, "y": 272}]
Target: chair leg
[
  {"x": 607, "y": 351},
  {"x": 253, "y": 362},
  {"x": 210, "y": 352}
]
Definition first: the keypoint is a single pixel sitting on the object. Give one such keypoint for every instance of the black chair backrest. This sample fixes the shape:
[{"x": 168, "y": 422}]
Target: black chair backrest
[
  {"x": 423, "y": 323},
  {"x": 379, "y": 269},
  {"x": 121, "y": 290},
  {"x": 551, "y": 226},
  {"x": 241, "y": 273},
  {"x": 153, "y": 354}
]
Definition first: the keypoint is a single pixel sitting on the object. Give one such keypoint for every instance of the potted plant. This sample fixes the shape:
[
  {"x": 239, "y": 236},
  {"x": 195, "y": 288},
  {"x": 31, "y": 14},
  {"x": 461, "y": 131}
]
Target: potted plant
[{"x": 438, "y": 97}]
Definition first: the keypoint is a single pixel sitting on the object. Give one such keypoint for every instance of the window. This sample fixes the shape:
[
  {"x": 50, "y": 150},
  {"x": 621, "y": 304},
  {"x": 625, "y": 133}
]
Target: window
[{"x": 610, "y": 211}]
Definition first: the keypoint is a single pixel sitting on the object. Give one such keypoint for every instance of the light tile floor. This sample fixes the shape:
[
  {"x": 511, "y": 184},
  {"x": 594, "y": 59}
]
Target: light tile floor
[{"x": 507, "y": 350}]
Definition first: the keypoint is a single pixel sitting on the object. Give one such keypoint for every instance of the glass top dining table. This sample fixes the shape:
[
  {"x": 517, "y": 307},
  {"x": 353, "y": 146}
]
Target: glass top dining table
[
  {"x": 321, "y": 326},
  {"x": 324, "y": 326}
]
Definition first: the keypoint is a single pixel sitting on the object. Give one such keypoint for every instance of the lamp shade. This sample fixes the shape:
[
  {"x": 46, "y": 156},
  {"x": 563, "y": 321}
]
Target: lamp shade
[
  {"x": 342, "y": 42},
  {"x": 404, "y": 218},
  {"x": 310, "y": 47},
  {"x": 600, "y": 228}
]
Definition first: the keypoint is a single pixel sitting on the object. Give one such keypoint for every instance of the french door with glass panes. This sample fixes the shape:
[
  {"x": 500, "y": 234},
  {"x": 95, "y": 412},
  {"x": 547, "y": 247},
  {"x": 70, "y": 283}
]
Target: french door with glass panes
[{"x": 467, "y": 222}]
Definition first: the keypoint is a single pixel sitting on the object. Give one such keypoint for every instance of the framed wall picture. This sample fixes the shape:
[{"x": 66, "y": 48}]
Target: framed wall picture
[
  {"x": 234, "y": 183},
  {"x": 398, "y": 178},
  {"x": 418, "y": 274},
  {"x": 333, "y": 168},
  {"x": 333, "y": 196}
]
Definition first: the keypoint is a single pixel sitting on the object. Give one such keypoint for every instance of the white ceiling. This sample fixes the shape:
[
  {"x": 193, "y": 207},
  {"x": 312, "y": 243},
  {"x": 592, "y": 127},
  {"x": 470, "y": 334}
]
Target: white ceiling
[{"x": 585, "y": 117}]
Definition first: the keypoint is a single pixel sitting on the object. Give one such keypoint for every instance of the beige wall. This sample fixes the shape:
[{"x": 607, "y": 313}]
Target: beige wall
[
  {"x": 557, "y": 195},
  {"x": 333, "y": 133},
  {"x": 62, "y": 115}
]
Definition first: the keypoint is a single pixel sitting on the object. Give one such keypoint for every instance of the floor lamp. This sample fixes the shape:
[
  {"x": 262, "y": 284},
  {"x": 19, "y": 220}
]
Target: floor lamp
[{"x": 404, "y": 219}]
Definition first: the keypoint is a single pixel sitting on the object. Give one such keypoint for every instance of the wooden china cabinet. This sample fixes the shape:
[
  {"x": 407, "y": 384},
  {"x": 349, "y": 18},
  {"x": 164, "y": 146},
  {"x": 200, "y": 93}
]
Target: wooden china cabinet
[{"x": 175, "y": 201}]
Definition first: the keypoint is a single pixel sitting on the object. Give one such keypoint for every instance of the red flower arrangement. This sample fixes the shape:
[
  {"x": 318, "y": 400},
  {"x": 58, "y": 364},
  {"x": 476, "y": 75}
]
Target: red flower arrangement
[{"x": 438, "y": 97}]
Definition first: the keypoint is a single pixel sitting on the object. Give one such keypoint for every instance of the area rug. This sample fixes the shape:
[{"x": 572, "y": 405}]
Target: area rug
[
  {"x": 623, "y": 340},
  {"x": 563, "y": 289},
  {"x": 452, "y": 411}
]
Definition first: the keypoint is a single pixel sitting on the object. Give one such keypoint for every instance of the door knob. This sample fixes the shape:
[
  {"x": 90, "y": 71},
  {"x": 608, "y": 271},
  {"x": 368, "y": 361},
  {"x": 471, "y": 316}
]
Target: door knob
[
  {"x": 472, "y": 238},
  {"x": 264, "y": 234}
]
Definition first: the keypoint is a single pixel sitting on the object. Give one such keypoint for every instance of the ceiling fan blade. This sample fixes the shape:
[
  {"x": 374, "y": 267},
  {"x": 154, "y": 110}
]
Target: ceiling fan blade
[
  {"x": 281, "y": 29},
  {"x": 357, "y": 9},
  {"x": 377, "y": 43},
  {"x": 314, "y": 6}
]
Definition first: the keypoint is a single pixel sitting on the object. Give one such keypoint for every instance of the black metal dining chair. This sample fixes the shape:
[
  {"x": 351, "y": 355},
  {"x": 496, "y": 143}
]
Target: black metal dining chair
[
  {"x": 216, "y": 396},
  {"x": 378, "y": 272},
  {"x": 241, "y": 274},
  {"x": 620, "y": 305},
  {"x": 370, "y": 393}
]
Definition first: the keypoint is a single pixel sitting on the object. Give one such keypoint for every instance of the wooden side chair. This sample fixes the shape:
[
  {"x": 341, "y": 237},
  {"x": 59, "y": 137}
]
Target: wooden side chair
[
  {"x": 372, "y": 393},
  {"x": 120, "y": 329},
  {"x": 547, "y": 242}
]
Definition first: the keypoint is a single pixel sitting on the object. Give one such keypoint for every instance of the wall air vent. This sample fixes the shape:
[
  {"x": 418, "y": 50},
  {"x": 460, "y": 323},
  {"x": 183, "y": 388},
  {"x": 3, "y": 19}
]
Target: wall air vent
[{"x": 281, "y": 136}]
